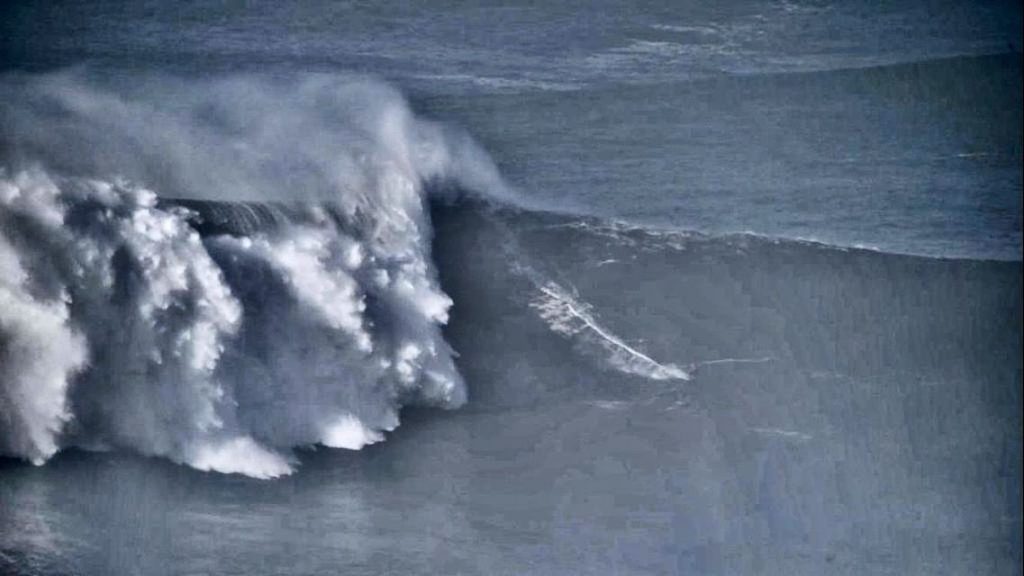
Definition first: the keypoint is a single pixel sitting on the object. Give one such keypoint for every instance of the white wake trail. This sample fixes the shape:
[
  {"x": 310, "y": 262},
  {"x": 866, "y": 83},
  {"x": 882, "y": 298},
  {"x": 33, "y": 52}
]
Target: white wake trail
[{"x": 569, "y": 317}]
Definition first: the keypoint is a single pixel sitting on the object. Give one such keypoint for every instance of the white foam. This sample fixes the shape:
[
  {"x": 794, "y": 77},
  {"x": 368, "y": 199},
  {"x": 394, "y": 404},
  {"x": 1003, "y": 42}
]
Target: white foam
[
  {"x": 39, "y": 353},
  {"x": 148, "y": 303},
  {"x": 239, "y": 456},
  {"x": 121, "y": 327},
  {"x": 784, "y": 434},
  {"x": 350, "y": 433}
]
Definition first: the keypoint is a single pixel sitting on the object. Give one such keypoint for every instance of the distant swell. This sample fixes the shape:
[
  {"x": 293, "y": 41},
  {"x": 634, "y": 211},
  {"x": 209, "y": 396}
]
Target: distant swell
[{"x": 121, "y": 326}]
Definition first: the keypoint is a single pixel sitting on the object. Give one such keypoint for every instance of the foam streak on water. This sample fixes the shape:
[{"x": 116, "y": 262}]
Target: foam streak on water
[{"x": 568, "y": 316}]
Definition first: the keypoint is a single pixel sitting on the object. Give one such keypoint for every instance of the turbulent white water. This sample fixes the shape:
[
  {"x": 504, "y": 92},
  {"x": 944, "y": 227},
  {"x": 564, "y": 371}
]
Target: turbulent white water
[{"x": 120, "y": 326}]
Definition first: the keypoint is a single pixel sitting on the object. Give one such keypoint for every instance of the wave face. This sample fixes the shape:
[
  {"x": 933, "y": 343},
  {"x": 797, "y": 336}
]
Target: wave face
[
  {"x": 595, "y": 309},
  {"x": 309, "y": 318}
]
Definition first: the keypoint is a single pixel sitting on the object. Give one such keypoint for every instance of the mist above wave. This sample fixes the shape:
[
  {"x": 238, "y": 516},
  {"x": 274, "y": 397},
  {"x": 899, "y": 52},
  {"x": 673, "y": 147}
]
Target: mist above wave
[
  {"x": 122, "y": 327},
  {"x": 302, "y": 137}
]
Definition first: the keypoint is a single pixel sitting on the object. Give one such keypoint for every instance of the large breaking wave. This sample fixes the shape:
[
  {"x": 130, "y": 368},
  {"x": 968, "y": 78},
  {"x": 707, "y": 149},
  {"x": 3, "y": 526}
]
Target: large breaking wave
[{"x": 122, "y": 326}]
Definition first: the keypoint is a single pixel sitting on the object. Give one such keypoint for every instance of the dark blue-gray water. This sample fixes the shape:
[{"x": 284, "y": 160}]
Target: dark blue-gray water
[{"x": 735, "y": 288}]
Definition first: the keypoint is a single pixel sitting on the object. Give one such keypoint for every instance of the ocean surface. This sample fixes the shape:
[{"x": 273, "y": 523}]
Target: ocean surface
[{"x": 587, "y": 288}]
